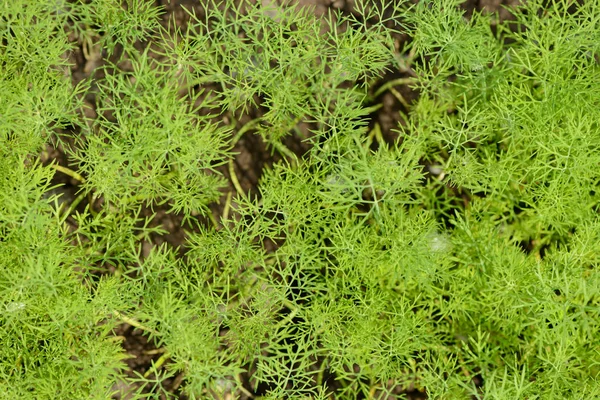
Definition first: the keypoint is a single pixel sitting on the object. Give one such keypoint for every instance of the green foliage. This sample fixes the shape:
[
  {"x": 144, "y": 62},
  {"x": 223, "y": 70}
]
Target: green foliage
[
  {"x": 148, "y": 144},
  {"x": 460, "y": 259}
]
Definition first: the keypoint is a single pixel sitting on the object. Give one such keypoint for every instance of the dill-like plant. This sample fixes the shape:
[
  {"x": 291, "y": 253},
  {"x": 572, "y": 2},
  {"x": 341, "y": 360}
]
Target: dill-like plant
[{"x": 456, "y": 255}]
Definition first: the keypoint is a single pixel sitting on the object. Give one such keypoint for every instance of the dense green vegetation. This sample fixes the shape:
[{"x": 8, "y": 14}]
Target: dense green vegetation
[{"x": 456, "y": 255}]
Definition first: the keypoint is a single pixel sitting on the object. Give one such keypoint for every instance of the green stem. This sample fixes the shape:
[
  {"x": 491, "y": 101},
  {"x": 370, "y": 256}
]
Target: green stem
[
  {"x": 244, "y": 129},
  {"x": 227, "y": 207},
  {"x": 69, "y": 172},
  {"x": 133, "y": 322},
  {"x": 396, "y": 82},
  {"x": 158, "y": 364},
  {"x": 234, "y": 179},
  {"x": 72, "y": 207},
  {"x": 281, "y": 148}
]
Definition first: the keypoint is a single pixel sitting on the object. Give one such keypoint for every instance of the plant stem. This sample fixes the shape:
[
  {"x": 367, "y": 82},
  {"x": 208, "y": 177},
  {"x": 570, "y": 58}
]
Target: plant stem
[
  {"x": 390, "y": 85},
  {"x": 133, "y": 322},
  {"x": 69, "y": 172},
  {"x": 234, "y": 179}
]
